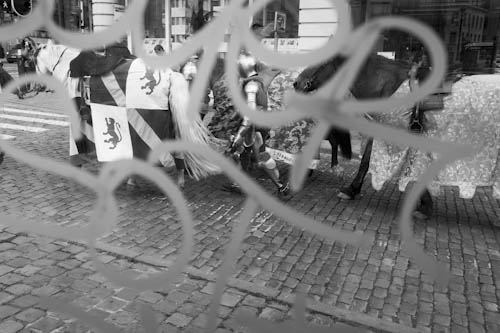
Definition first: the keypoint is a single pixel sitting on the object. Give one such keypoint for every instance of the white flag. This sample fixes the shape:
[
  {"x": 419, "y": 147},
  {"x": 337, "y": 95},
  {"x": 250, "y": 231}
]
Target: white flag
[
  {"x": 147, "y": 88},
  {"x": 111, "y": 132}
]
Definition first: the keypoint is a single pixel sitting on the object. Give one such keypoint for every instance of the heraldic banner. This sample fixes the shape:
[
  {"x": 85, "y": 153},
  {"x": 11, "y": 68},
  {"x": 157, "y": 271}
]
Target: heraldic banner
[
  {"x": 132, "y": 102},
  {"x": 111, "y": 132}
]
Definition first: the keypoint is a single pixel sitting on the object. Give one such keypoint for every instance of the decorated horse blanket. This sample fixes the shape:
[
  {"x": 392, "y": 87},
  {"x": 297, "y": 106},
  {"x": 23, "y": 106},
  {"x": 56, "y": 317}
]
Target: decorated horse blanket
[
  {"x": 285, "y": 141},
  {"x": 471, "y": 115},
  {"x": 130, "y": 113},
  {"x": 289, "y": 140}
]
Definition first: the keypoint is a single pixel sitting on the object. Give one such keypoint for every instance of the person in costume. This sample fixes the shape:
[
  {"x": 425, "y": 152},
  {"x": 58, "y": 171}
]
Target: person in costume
[{"x": 247, "y": 147}]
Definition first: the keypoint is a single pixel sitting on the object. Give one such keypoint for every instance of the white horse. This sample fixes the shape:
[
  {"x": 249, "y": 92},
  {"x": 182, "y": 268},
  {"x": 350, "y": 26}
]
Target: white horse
[{"x": 171, "y": 93}]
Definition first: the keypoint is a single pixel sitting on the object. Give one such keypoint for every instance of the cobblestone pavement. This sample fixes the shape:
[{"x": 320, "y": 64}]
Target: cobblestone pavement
[
  {"x": 33, "y": 268},
  {"x": 379, "y": 282}
]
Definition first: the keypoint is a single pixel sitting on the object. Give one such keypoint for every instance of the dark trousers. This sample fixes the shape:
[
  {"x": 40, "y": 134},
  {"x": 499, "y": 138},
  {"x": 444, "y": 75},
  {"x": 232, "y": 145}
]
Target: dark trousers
[
  {"x": 24, "y": 67},
  {"x": 21, "y": 69}
]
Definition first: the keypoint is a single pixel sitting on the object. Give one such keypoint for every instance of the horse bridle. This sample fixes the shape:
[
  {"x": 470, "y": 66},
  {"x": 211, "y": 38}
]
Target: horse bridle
[
  {"x": 313, "y": 77},
  {"x": 57, "y": 62}
]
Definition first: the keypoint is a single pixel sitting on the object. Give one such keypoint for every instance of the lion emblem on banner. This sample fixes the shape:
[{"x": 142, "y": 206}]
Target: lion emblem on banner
[
  {"x": 151, "y": 81},
  {"x": 113, "y": 131}
]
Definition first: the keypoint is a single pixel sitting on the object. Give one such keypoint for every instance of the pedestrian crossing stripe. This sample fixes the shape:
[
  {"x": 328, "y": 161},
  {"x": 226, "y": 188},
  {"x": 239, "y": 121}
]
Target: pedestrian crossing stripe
[
  {"x": 6, "y": 137},
  {"x": 23, "y": 128},
  {"x": 35, "y": 120},
  {"x": 38, "y": 113},
  {"x": 32, "y": 129}
]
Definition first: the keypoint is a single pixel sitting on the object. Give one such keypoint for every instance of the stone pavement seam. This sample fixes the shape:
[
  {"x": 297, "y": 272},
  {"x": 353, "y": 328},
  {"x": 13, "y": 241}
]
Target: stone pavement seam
[{"x": 341, "y": 315}]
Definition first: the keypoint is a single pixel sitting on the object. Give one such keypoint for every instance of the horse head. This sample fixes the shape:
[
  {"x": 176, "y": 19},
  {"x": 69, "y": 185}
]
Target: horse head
[
  {"x": 313, "y": 77},
  {"x": 49, "y": 58},
  {"x": 378, "y": 77}
]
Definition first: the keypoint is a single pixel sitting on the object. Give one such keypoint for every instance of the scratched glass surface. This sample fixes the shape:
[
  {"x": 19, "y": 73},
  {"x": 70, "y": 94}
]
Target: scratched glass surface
[{"x": 327, "y": 106}]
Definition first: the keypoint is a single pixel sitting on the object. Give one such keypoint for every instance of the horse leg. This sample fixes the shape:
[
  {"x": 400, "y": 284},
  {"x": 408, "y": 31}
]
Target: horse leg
[
  {"x": 424, "y": 209},
  {"x": 180, "y": 165},
  {"x": 246, "y": 161},
  {"x": 348, "y": 193},
  {"x": 335, "y": 148}
]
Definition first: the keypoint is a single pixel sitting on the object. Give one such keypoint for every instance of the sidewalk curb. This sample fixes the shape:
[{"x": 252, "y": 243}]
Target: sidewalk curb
[{"x": 341, "y": 315}]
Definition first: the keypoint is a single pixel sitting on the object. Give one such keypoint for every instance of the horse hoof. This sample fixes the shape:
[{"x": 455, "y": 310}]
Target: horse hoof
[
  {"x": 347, "y": 193},
  {"x": 233, "y": 188},
  {"x": 344, "y": 196},
  {"x": 284, "y": 191},
  {"x": 420, "y": 215}
]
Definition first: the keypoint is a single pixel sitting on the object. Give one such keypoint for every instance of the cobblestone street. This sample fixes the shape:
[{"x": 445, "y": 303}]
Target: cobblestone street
[
  {"x": 378, "y": 288},
  {"x": 34, "y": 267}
]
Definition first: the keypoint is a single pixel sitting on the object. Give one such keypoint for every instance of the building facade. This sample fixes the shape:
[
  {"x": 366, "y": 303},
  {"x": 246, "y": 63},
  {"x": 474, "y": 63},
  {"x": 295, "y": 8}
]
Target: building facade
[
  {"x": 458, "y": 23},
  {"x": 309, "y": 23}
]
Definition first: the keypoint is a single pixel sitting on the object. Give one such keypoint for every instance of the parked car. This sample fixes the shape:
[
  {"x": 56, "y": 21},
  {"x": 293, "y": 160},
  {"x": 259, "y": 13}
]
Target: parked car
[{"x": 14, "y": 53}]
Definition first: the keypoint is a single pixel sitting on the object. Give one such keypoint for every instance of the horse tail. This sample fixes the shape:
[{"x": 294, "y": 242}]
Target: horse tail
[{"x": 192, "y": 131}]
